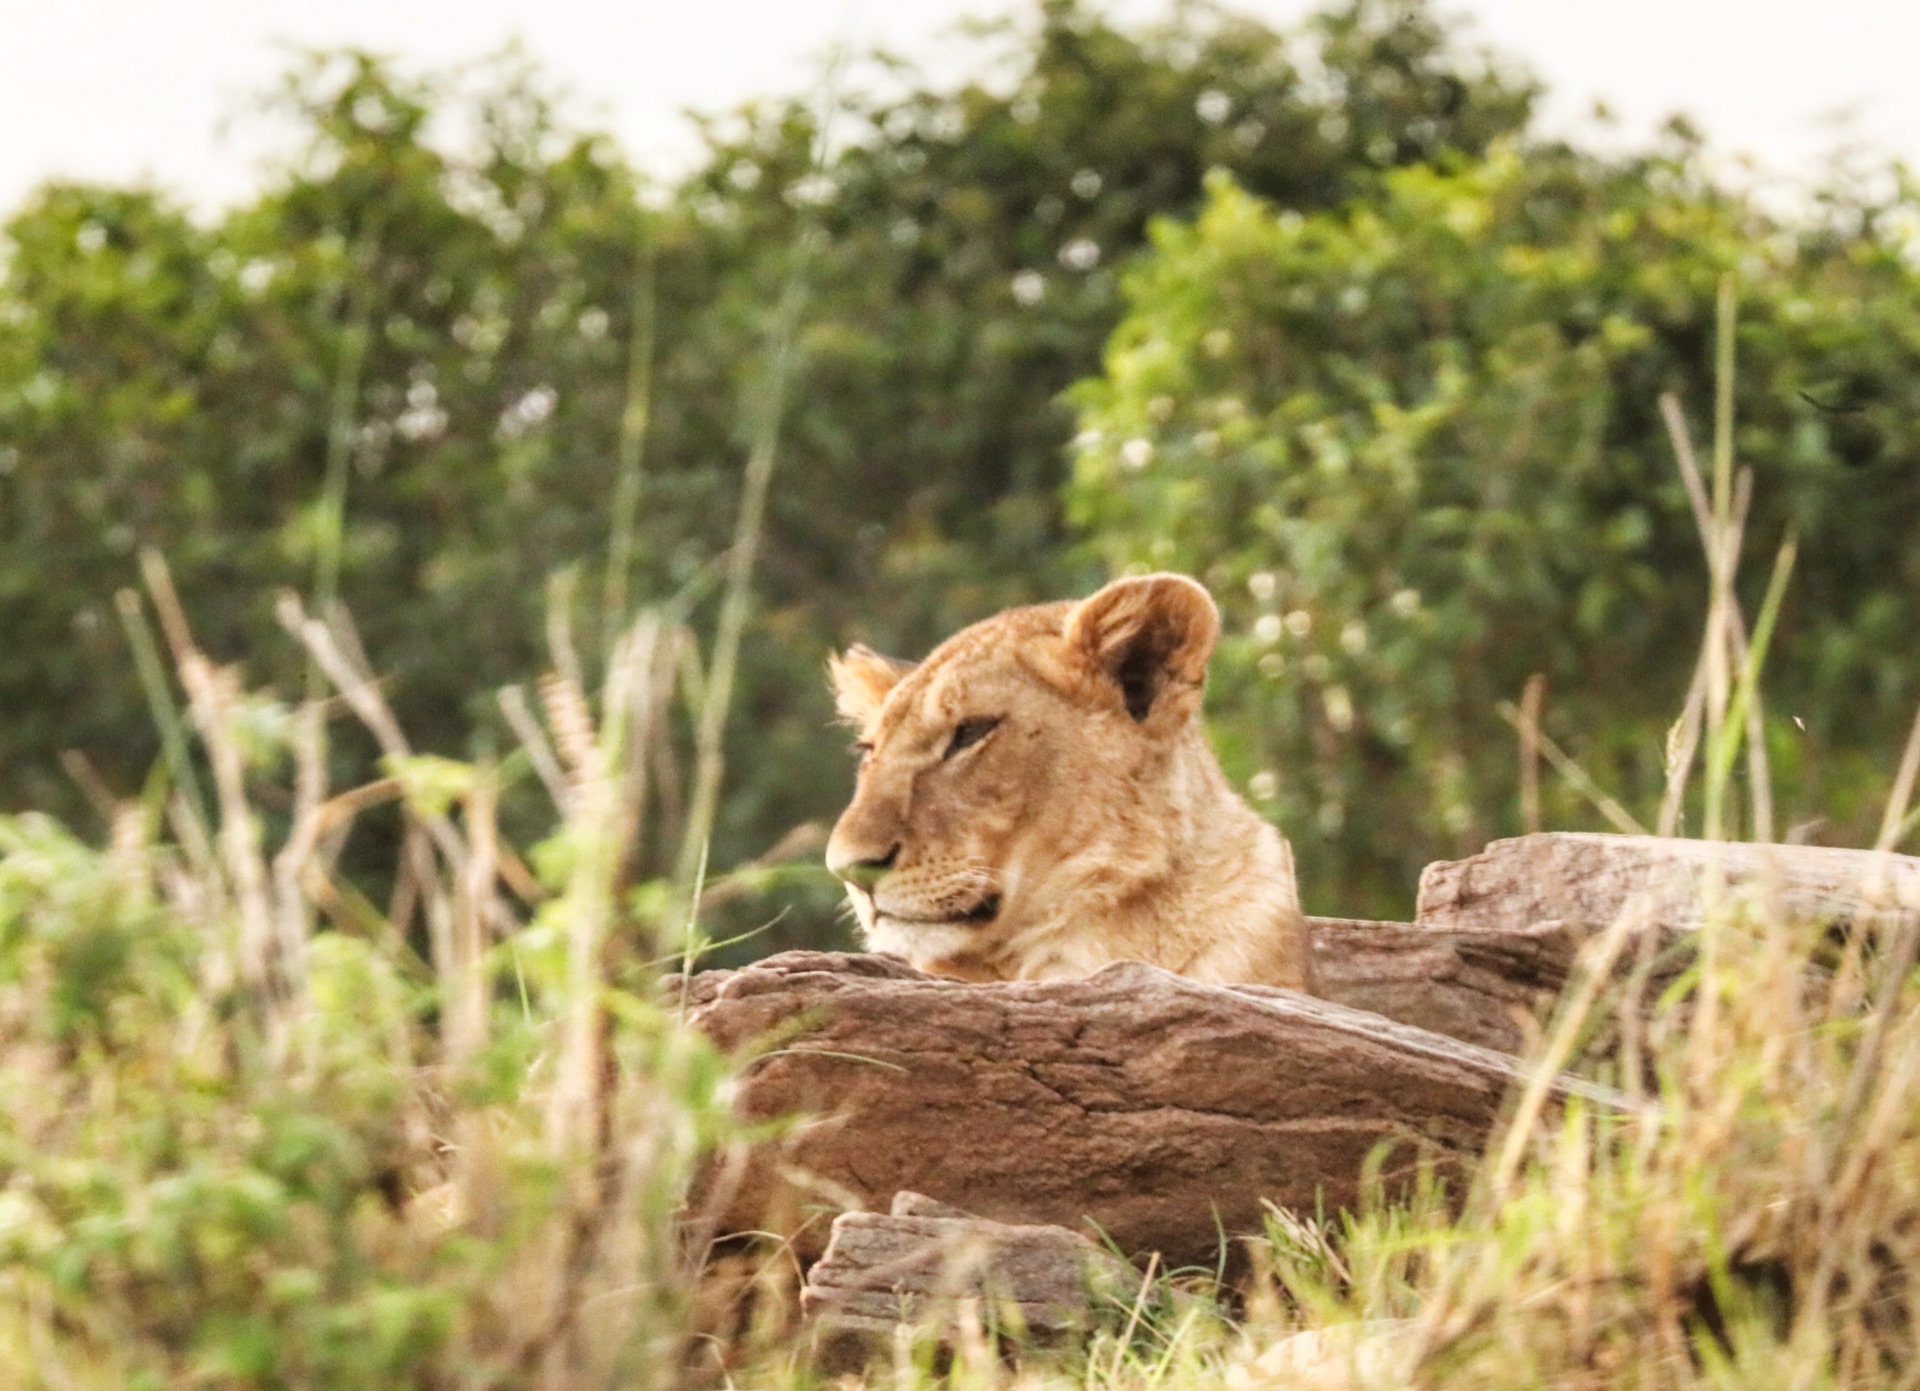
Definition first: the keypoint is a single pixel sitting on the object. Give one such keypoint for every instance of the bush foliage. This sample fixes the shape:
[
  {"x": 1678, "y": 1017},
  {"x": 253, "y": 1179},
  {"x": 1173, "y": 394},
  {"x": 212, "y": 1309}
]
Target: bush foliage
[
  {"x": 440, "y": 360},
  {"x": 1398, "y": 370},
  {"x": 1415, "y": 446}
]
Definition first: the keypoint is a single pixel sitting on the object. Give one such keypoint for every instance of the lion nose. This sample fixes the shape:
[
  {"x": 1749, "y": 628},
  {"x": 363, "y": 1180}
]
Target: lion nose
[{"x": 865, "y": 873}]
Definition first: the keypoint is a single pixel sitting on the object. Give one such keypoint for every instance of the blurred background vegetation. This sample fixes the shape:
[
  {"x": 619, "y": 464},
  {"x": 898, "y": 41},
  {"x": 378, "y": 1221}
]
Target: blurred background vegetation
[
  {"x": 1319, "y": 316},
  {"x": 1316, "y": 316}
]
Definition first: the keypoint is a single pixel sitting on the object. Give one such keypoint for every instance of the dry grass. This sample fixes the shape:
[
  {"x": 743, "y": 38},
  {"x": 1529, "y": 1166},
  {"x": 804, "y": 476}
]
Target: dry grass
[{"x": 241, "y": 1151}]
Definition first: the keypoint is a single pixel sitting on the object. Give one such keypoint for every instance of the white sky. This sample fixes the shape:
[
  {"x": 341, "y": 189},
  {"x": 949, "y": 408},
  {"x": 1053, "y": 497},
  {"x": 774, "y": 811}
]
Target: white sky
[{"x": 127, "y": 89}]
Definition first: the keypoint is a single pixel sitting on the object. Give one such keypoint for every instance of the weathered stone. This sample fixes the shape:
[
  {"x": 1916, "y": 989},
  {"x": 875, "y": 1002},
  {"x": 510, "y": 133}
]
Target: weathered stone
[
  {"x": 1164, "y": 1111},
  {"x": 1584, "y": 881},
  {"x": 1472, "y": 984},
  {"x": 929, "y": 1263}
]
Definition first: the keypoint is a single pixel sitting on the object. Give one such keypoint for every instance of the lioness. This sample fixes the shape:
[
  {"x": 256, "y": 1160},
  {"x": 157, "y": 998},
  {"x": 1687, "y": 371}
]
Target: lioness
[{"x": 1037, "y": 799}]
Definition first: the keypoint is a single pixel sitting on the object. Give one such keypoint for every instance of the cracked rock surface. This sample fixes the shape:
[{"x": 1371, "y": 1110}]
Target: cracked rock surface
[{"x": 1154, "y": 1109}]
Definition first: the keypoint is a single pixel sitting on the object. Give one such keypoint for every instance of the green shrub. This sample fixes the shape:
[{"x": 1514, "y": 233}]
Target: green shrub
[{"x": 1414, "y": 446}]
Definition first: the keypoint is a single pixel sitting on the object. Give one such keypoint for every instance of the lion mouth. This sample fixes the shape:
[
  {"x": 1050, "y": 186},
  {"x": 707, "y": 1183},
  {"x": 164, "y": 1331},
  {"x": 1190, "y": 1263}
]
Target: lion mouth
[
  {"x": 985, "y": 911},
  {"x": 982, "y": 913}
]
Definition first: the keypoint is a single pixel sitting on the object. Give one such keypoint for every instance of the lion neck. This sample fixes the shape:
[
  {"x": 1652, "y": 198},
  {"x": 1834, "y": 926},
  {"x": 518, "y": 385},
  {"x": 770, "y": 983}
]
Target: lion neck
[{"x": 1200, "y": 868}]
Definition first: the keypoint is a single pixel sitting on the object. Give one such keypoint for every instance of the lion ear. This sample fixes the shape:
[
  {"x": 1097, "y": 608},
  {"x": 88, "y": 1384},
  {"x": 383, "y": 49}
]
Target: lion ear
[
  {"x": 1151, "y": 636},
  {"x": 861, "y": 679}
]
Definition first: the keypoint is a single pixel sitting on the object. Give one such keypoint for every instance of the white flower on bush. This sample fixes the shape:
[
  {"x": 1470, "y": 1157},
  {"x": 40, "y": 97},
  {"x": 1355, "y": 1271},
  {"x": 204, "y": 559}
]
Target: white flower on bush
[
  {"x": 1080, "y": 254},
  {"x": 528, "y": 412}
]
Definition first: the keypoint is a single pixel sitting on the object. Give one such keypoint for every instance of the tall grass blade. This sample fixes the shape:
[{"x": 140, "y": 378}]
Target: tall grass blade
[
  {"x": 468, "y": 989},
  {"x": 161, "y": 707},
  {"x": 337, "y": 653},
  {"x": 1720, "y": 551},
  {"x": 212, "y": 699},
  {"x": 630, "y": 456},
  {"x": 342, "y": 407},
  {"x": 1898, "y": 799},
  {"x": 737, "y": 598},
  {"x": 1530, "y": 702},
  {"x": 1577, "y": 777},
  {"x": 1725, "y": 326},
  {"x": 1722, "y": 749},
  {"x": 519, "y": 716}
]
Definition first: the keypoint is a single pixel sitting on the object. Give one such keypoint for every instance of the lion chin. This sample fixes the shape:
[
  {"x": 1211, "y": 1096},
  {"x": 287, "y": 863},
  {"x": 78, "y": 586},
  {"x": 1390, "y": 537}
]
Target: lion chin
[
  {"x": 926, "y": 944},
  {"x": 1037, "y": 799}
]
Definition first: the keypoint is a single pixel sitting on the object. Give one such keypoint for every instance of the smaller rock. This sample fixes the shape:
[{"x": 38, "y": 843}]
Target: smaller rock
[
  {"x": 1584, "y": 881},
  {"x": 932, "y": 1265}
]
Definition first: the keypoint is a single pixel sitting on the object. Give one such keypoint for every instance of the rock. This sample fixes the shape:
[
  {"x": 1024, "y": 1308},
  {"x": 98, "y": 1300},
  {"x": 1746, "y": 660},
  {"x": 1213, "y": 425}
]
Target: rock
[
  {"x": 933, "y": 1265},
  {"x": 1584, "y": 881},
  {"x": 1164, "y": 1111},
  {"x": 1470, "y": 983}
]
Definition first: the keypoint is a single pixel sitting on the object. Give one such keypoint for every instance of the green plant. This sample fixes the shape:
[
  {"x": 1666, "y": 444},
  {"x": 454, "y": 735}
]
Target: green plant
[
  {"x": 1413, "y": 445},
  {"x": 239, "y": 1151}
]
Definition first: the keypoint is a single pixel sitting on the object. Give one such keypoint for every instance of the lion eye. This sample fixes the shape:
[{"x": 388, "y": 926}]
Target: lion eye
[{"x": 968, "y": 733}]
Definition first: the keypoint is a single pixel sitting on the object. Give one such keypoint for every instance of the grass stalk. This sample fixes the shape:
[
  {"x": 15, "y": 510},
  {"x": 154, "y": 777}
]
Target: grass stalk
[
  {"x": 337, "y": 655},
  {"x": 1904, "y": 950},
  {"x": 1683, "y": 745},
  {"x": 1686, "y": 741},
  {"x": 468, "y": 988},
  {"x": 1867, "y": 1076},
  {"x": 1596, "y": 971},
  {"x": 737, "y": 596},
  {"x": 602, "y": 827},
  {"x": 293, "y": 915},
  {"x": 580, "y": 1119},
  {"x": 1725, "y": 326},
  {"x": 160, "y": 705},
  {"x": 1721, "y": 550},
  {"x": 736, "y": 601},
  {"x": 656, "y": 641},
  {"x": 212, "y": 699},
  {"x": 690, "y": 942},
  {"x": 1569, "y": 768},
  {"x": 519, "y": 716},
  {"x": 1725, "y": 745},
  {"x": 1895, "y": 816},
  {"x": 1530, "y": 702},
  {"x": 630, "y": 456},
  {"x": 342, "y": 408},
  {"x": 562, "y": 590}
]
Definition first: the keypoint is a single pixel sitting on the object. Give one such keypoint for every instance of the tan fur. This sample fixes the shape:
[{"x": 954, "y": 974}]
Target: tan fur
[{"x": 1078, "y": 831}]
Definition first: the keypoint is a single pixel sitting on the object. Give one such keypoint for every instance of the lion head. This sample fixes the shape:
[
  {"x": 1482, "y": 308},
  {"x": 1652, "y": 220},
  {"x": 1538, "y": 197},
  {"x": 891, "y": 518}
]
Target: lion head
[{"x": 1037, "y": 798}]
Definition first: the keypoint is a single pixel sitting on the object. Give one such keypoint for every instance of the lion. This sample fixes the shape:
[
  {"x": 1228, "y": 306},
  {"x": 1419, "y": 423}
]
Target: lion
[{"x": 1037, "y": 799}]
